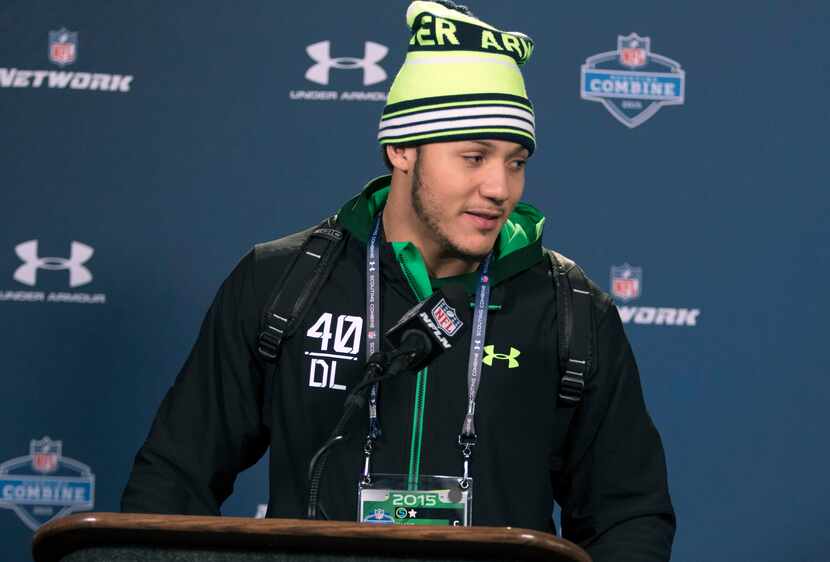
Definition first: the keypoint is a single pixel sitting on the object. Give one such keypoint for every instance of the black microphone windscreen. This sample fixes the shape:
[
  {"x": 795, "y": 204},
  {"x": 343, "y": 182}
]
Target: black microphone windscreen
[{"x": 443, "y": 317}]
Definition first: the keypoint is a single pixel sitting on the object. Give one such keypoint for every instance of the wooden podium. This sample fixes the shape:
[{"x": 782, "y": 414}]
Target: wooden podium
[{"x": 123, "y": 537}]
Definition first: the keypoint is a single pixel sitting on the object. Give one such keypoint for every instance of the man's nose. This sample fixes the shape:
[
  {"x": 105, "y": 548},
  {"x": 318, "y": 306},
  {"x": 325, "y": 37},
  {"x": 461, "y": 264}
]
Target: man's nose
[{"x": 494, "y": 183}]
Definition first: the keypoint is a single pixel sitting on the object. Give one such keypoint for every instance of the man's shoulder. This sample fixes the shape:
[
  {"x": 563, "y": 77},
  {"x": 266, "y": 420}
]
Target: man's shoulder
[
  {"x": 274, "y": 261},
  {"x": 268, "y": 262},
  {"x": 280, "y": 249},
  {"x": 602, "y": 301}
]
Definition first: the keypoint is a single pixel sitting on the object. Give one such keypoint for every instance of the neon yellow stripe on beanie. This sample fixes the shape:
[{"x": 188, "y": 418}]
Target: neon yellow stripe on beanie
[{"x": 430, "y": 74}]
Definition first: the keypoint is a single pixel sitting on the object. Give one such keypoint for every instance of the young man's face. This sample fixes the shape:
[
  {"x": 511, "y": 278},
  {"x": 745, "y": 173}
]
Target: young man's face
[{"x": 463, "y": 192}]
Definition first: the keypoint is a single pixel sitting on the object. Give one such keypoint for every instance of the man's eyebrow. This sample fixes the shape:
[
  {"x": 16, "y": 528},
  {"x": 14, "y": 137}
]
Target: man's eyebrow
[
  {"x": 490, "y": 146},
  {"x": 520, "y": 150},
  {"x": 483, "y": 143}
]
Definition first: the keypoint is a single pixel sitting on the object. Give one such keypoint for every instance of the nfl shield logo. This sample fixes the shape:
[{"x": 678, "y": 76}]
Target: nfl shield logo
[
  {"x": 45, "y": 455},
  {"x": 626, "y": 282},
  {"x": 633, "y": 50},
  {"x": 63, "y": 47},
  {"x": 446, "y": 317}
]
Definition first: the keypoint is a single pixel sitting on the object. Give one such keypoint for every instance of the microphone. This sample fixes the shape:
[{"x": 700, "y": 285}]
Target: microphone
[
  {"x": 431, "y": 327},
  {"x": 426, "y": 331}
]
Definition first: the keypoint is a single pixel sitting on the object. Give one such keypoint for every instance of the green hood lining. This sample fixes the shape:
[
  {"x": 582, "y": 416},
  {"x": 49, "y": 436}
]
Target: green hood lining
[{"x": 518, "y": 247}]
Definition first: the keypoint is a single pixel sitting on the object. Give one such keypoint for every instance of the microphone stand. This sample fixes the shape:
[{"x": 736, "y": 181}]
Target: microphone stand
[{"x": 381, "y": 366}]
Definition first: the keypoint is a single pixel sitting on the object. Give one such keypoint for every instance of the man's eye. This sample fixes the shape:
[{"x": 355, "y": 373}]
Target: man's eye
[
  {"x": 474, "y": 158},
  {"x": 519, "y": 164}
]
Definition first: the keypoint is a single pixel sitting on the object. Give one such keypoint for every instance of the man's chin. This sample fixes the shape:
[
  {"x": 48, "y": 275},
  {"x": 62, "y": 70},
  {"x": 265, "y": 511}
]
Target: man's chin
[{"x": 471, "y": 252}]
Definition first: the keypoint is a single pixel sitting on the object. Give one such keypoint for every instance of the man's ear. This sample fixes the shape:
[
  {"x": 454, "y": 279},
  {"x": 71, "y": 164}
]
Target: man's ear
[{"x": 402, "y": 158}]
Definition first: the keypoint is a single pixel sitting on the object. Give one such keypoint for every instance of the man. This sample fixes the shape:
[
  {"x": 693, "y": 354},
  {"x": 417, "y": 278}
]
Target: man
[{"x": 457, "y": 131}]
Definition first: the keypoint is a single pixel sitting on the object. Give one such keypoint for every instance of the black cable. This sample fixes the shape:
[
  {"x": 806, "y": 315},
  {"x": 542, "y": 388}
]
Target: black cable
[
  {"x": 374, "y": 372},
  {"x": 381, "y": 366}
]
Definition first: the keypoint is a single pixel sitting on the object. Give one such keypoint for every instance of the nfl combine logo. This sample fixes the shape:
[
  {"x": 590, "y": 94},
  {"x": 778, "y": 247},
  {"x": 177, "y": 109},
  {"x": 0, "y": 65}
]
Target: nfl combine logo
[
  {"x": 63, "y": 47},
  {"x": 626, "y": 282},
  {"x": 45, "y": 485},
  {"x": 633, "y": 82},
  {"x": 379, "y": 516}
]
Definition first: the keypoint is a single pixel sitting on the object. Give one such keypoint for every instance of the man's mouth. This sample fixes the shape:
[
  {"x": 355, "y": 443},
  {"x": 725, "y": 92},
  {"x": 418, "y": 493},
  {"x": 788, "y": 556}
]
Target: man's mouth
[{"x": 484, "y": 219}]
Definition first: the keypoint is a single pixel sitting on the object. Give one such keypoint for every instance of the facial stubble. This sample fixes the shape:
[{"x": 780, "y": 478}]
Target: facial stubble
[{"x": 424, "y": 211}]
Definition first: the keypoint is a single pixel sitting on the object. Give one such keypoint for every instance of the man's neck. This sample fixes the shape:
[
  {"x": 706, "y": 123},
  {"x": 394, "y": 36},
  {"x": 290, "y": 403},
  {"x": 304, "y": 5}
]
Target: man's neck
[{"x": 399, "y": 226}]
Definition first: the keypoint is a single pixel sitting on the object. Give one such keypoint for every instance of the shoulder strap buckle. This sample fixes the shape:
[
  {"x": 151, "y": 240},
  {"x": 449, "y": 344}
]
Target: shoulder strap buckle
[
  {"x": 572, "y": 383},
  {"x": 270, "y": 338}
]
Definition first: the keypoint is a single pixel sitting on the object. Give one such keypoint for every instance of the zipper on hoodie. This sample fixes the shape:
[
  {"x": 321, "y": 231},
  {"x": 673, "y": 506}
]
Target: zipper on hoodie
[
  {"x": 417, "y": 429},
  {"x": 421, "y": 292}
]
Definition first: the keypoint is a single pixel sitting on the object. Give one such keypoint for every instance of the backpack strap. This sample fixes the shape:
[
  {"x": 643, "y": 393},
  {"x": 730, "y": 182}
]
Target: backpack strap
[
  {"x": 573, "y": 297},
  {"x": 299, "y": 286},
  {"x": 576, "y": 346}
]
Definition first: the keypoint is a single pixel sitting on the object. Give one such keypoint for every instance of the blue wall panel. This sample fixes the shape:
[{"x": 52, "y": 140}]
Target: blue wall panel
[{"x": 213, "y": 145}]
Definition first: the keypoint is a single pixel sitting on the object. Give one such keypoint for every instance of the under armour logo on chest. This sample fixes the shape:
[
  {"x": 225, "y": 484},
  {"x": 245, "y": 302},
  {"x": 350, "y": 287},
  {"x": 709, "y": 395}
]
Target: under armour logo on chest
[{"x": 490, "y": 355}]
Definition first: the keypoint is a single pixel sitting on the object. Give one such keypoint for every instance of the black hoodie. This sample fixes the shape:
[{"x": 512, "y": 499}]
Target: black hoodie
[{"x": 228, "y": 406}]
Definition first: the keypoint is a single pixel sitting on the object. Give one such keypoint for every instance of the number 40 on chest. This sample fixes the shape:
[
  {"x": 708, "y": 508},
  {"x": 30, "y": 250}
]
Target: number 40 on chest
[{"x": 340, "y": 344}]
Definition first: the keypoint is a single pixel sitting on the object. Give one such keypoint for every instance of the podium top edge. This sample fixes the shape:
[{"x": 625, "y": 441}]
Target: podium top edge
[{"x": 85, "y": 530}]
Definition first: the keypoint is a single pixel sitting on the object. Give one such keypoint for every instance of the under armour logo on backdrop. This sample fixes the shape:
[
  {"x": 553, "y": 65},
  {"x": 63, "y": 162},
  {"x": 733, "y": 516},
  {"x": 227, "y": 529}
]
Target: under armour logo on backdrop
[
  {"x": 490, "y": 354},
  {"x": 321, "y": 53},
  {"x": 79, "y": 254}
]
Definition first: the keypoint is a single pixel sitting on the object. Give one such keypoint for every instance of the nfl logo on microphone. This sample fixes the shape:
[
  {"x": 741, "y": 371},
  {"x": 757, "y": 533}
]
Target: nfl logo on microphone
[
  {"x": 446, "y": 317},
  {"x": 626, "y": 282}
]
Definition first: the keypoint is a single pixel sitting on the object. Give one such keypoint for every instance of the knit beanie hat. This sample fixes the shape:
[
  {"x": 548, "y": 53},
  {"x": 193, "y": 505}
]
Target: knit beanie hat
[{"x": 460, "y": 80}]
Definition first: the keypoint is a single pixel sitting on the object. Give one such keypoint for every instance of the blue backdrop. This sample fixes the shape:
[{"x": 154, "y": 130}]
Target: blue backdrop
[{"x": 145, "y": 146}]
